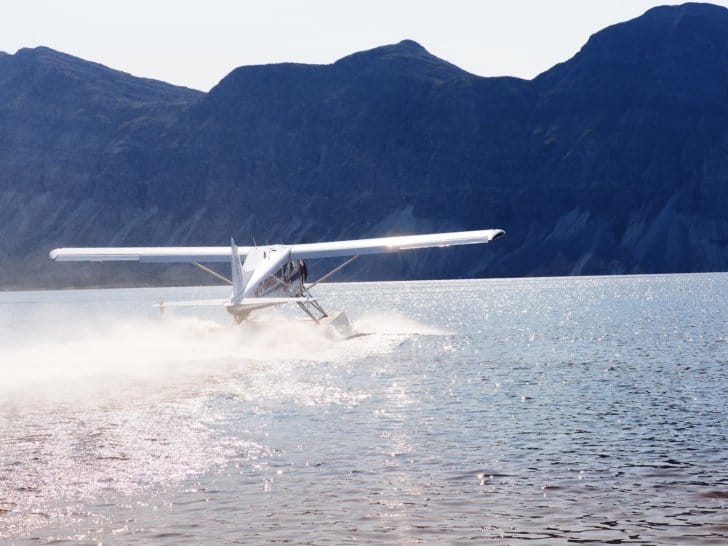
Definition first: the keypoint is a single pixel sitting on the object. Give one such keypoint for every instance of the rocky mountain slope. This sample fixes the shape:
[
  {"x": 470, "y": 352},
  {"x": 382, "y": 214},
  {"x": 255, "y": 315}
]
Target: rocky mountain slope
[{"x": 615, "y": 161}]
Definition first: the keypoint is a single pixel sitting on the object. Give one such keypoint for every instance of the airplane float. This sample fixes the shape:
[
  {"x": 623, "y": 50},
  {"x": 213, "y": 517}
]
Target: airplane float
[{"x": 273, "y": 274}]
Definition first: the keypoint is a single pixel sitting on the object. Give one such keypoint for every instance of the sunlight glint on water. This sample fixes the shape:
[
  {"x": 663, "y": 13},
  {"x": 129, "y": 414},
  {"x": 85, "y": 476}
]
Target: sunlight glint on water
[{"x": 589, "y": 409}]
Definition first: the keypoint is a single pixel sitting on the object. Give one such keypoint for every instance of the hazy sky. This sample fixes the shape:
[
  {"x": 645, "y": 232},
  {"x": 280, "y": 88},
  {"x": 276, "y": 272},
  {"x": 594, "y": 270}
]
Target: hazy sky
[{"x": 198, "y": 43}]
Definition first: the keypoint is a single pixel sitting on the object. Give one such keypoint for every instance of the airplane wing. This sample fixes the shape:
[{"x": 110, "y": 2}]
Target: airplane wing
[
  {"x": 150, "y": 254},
  {"x": 381, "y": 245},
  {"x": 332, "y": 249}
]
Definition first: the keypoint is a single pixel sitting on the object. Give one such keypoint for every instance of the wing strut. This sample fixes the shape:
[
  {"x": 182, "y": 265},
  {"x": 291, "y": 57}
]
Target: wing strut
[
  {"x": 213, "y": 273},
  {"x": 335, "y": 270},
  {"x": 311, "y": 305}
]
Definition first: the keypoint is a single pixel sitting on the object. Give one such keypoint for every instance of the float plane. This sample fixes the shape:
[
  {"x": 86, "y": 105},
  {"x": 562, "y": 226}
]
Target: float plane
[{"x": 266, "y": 276}]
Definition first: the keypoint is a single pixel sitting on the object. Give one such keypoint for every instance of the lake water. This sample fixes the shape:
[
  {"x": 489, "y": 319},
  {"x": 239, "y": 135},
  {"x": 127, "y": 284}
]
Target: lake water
[{"x": 587, "y": 410}]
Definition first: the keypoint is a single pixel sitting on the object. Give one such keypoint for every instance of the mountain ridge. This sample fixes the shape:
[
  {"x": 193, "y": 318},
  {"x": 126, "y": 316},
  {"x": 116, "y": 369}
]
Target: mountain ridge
[{"x": 611, "y": 162}]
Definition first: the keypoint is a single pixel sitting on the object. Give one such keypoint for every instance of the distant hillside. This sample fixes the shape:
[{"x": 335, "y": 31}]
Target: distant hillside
[{"x": 615, "y": 161}]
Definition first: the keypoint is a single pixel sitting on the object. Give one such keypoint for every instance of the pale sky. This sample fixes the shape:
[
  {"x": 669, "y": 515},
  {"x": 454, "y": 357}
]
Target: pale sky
[{"x": 197, "y": 43}]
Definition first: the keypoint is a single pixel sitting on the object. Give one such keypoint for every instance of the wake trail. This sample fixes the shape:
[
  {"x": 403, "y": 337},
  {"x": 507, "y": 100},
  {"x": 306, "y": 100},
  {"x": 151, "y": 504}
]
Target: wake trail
[{"x": 86, "y": 357}]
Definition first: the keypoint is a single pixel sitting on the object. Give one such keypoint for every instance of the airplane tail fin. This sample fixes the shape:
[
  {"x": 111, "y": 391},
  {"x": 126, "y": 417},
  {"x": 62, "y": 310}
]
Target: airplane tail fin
[{"x": 236, "y": 274}]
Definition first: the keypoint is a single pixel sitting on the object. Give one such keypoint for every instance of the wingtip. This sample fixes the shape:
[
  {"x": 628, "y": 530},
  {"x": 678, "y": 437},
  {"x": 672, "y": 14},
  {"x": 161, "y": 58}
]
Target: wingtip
[
  {"x": 498, "y": 234},
  {"x": 54, "y": 253}
]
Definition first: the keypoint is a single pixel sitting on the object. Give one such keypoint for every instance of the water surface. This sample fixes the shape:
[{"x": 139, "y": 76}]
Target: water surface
[{"x": 587, "y": 410}]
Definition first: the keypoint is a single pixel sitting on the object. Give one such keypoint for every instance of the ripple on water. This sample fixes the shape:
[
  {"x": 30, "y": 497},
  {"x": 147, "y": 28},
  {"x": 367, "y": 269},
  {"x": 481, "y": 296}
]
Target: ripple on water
[{"x": 535, "y": 410}]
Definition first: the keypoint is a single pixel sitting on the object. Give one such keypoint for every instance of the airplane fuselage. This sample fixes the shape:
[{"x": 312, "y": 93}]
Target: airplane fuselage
[
  {"x": 287, "y": 281},
  {"x": 264, "y": 278}
]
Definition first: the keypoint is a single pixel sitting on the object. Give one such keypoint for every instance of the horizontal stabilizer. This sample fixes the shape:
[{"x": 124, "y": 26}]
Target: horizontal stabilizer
[
  {"x": 251, "y": 304},
  {"x": 191, "y": 303},
  {"x": 257, "y": 302},
  {"x": 273, "y": 301}
]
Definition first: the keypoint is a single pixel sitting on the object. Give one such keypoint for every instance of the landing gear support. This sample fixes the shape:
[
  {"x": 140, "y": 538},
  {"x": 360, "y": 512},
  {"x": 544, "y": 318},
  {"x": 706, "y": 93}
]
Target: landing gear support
[{"x": 312, "y": 308}]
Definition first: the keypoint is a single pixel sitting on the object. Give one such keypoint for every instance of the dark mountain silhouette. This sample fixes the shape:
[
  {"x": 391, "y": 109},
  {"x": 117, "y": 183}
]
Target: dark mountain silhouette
[{"x": 615, "y": 161}]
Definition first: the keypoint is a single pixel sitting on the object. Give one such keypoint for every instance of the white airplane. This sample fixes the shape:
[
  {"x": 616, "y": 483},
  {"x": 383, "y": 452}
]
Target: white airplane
[{"x": 273, "y": 274}]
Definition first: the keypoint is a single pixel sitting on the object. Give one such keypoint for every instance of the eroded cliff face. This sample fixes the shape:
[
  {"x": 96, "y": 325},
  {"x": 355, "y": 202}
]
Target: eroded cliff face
[{"x": 615, "y": 161}]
